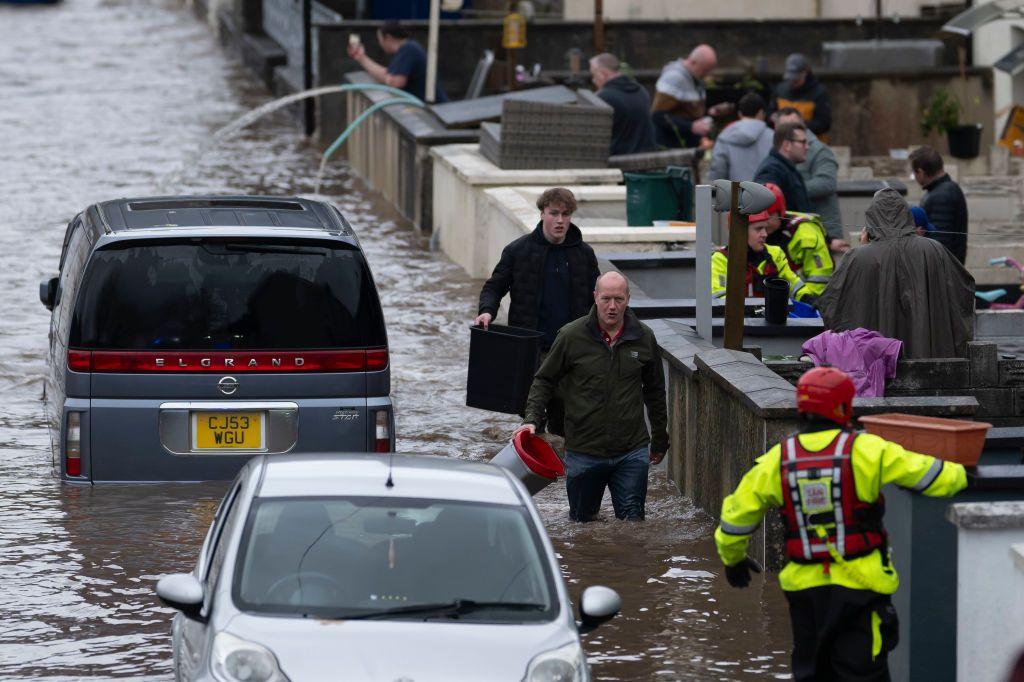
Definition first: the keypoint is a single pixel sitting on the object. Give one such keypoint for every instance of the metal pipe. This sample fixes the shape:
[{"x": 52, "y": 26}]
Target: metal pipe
[{"x": 435, "y": 25}]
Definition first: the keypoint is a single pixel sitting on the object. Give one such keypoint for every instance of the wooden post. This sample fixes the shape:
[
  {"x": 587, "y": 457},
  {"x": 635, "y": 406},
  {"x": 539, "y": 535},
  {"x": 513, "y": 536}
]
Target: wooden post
[
  {"x": 735, "y": 286},
  {"x": 598, "y": 26}
]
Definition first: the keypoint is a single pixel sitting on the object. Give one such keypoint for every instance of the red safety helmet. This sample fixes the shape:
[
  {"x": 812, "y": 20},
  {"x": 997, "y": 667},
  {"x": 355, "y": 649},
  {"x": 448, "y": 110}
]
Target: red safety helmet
[
  {"x": 827, "y": 392},
  {"x": 779, "y": 207}
]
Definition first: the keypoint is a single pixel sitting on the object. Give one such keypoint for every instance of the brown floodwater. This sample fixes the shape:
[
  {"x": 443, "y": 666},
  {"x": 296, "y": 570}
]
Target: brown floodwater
[{"x": 108, "y": 98}]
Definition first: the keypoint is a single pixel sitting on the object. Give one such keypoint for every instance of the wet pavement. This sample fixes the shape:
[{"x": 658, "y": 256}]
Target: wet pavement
[{"x": 107, "y": 98}]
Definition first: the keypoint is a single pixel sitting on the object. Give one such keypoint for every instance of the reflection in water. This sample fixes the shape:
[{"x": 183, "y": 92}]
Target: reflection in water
[{"x": 94, "y": 108}]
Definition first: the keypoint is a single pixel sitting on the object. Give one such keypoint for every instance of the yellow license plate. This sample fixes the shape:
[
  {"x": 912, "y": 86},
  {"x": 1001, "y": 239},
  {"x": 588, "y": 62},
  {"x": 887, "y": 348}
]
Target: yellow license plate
[{"x": 227, "y": 430}]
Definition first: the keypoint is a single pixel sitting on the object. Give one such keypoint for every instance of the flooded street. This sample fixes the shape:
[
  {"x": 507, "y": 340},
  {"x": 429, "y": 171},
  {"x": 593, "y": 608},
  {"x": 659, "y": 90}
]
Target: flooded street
[{"x": 107, "y": 98}]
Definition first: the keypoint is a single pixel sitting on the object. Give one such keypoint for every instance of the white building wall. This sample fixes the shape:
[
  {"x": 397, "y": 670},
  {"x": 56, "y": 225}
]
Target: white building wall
[{"x": 583, "y": 10}]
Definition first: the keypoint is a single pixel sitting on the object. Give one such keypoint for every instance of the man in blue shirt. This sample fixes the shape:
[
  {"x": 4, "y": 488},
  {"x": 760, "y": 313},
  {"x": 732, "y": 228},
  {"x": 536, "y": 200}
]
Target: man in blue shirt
[{"x": 408, "y": 67}]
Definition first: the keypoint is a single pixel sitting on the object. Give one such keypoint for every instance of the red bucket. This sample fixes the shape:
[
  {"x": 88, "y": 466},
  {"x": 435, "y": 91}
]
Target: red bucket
[{"x": 531, "y": 460}]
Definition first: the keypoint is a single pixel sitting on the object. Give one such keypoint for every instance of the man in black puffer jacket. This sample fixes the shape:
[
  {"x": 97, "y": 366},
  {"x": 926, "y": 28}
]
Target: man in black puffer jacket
[{"x": 550, "y": 274}]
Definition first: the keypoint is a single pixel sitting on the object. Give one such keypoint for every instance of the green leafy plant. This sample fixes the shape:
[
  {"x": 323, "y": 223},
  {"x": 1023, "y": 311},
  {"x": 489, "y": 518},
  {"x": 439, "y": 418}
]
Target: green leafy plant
[{"x": 941, "y": 113}]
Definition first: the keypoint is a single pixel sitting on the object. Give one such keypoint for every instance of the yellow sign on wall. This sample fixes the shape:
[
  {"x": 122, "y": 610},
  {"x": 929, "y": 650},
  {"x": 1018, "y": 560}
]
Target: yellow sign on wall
[
  {"x": 513, "y": 32},
  {"x": 1013, "y": 131}
]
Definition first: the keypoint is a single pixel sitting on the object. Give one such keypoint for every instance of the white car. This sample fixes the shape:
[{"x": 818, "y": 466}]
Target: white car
[{"x": 370, "y": 567}]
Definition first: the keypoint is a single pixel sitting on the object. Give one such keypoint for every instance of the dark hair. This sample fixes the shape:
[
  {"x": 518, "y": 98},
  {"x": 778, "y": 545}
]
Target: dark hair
[
  {"x": 926, "y": 159},
  {"x": 784, "y": 131},
  {"x": 557, "y": 195},
  {"x": 789, "y": 111},
  {"x": 394, "y": 29},
  {"x": 750, "y": 104}
]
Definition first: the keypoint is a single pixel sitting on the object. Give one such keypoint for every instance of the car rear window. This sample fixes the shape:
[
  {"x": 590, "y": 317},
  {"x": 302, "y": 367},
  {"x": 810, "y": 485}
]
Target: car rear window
[{"x": 225, "y": 294}]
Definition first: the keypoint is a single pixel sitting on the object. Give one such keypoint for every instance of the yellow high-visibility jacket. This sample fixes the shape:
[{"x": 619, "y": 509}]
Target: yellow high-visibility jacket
[
  {"x": 875, "y": 462},
  {"x": 808, "y": 250},
  {"x": 776, "y": 265}
]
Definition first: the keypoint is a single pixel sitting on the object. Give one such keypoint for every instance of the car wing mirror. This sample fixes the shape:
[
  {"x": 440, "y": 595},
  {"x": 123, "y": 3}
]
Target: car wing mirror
[
  {"x": 48, "y": 292},
  {"x": 598, "y": 604},
  {"x": 182, "y": 592}
]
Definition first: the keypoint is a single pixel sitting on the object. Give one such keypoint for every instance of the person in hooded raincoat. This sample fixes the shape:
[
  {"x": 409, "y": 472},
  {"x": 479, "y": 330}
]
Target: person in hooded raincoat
[{"x": 902, "y": 286}]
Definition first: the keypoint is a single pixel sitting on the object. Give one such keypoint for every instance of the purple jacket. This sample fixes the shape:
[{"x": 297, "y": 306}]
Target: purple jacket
[{"x": 867, "y": 356}]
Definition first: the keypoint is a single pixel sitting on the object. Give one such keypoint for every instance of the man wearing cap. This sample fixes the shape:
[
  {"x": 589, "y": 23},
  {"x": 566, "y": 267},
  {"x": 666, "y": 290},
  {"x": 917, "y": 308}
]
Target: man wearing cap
[
  {"x": 801, "y": 90},
  {"x": 763, "y": 261}
]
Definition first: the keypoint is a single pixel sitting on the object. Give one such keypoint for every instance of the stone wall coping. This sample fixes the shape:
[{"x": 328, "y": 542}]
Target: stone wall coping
[
  {"x": 679, "y": 344},
  {"x": 987, "y": 515},
  {"x": 417, "y": 123},
  {"x": 466, "y": 161},
  {"x": 1017, "y": 552}
]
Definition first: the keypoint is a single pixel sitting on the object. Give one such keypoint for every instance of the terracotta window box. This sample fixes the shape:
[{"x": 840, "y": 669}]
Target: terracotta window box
[{"x": 953, "y": 440}]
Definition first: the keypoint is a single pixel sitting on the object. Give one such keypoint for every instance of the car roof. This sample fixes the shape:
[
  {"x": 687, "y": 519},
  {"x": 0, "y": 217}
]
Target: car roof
[
  {"x": 214, "y": 211},
  {"x": 413, "y": 476}
]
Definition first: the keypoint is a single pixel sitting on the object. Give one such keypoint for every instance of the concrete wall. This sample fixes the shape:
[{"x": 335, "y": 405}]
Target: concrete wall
[
  {"x": 990, "y": 602},
  {"x": 583, "y": 10},
  {"x": 996, "y": 384}
]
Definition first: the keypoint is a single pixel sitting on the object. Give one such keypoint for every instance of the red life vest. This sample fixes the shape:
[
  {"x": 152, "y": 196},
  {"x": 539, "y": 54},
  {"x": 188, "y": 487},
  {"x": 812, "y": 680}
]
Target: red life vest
[
  {"x": 819, "y": 490},
  {"x": 755, "y": 279}
]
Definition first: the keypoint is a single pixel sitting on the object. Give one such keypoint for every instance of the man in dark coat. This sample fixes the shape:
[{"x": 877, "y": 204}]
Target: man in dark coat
[
  {"x": 801, "y": 90},
  {"x": 943, "y": 201},
  {"x": 902, "y": 286},
  {"x": 550, "y": 273},
  {"x": 632, "y": 128},
  {"x": 608, "y": 367},
  {"x": 789, "y": 147}
]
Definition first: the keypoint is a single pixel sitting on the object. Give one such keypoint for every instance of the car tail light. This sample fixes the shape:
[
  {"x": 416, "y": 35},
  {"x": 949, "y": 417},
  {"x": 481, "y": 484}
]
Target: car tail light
[
  {"x": 141, "y": 362},
  {"x": 382, "y": 433},
  {"x": 79, "y": 360},
  {"x": 73, "y": 445}
]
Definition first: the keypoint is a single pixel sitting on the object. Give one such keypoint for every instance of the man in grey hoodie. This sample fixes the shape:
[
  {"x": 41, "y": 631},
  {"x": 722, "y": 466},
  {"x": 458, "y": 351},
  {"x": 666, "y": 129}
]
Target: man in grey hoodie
[
  {"x": 820, "y": 171},
  {"x": 742, "y": 146}
]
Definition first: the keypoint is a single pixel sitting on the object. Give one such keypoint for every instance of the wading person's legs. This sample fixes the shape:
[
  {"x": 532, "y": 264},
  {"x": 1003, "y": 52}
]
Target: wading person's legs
[{"x": 628, "y": 484}]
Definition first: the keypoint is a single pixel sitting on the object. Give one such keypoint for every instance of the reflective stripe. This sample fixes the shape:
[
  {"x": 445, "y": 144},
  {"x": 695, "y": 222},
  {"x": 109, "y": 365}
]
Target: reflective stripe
[
  {"x": 821, "y": 473},
  {"x": 929, "y": 476},
  {"x": 797, "y": 285},
  {"x": 819, "y": 279},
  {"x": 718, "y": 294},
  {"x": 733, "y": 529},
  {"x": 837, "y": 497},
  {"x": 794, "y": 493}
]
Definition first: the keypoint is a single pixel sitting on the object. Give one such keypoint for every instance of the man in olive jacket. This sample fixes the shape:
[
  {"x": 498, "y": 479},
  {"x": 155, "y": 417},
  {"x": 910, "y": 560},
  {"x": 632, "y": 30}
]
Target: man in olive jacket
[{"x": 607, "y": 366}]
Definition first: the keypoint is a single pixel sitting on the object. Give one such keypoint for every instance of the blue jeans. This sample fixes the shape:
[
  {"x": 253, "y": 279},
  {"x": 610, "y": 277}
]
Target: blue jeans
[{"x": 625, "y": 476}]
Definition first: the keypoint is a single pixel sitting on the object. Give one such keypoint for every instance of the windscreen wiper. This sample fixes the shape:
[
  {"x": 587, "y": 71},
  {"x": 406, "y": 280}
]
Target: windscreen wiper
[{"x": 452, "y": 609}]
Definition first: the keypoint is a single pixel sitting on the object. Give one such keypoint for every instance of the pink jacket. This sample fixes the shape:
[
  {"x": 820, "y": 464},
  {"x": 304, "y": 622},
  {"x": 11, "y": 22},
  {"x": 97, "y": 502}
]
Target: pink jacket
[{"x": 867, "y": 356}]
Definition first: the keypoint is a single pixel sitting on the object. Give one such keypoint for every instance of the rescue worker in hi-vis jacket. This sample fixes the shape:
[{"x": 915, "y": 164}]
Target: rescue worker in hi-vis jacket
[{"x": 825, "y": 481}]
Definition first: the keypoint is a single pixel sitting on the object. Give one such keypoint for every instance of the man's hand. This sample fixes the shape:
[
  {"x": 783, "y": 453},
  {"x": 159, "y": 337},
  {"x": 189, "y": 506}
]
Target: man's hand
[
  {"x": 482, "y": 320},
  {"x": 701, "y": 127},
  {"x": 838, "y": 246},
  {"x": 356, "y": 52},
  {"x": 656, "y": 457},
  {"x": 739, "y": 575},
  {"x": 529, "y": 428}
]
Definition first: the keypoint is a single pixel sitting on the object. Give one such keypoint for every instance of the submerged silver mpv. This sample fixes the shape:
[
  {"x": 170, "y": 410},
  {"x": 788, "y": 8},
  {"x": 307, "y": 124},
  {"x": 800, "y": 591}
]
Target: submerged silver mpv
[
  {"x": 189, "y": 333},
  {"x": 355, "y": 567}
]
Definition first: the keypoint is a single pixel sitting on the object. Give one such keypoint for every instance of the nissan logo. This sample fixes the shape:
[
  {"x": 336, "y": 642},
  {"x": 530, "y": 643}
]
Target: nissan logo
[{"x": 228, "y": 385}]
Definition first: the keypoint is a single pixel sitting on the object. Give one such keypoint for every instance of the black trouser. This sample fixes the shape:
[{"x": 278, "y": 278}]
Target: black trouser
[{"x": 833, "y": 634}]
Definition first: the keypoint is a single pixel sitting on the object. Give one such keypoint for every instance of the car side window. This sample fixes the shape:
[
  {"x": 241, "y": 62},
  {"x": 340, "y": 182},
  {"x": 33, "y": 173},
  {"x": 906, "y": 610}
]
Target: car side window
[
  {"x": 72, "y": 263},
  {"x": 68, "y": 234}
]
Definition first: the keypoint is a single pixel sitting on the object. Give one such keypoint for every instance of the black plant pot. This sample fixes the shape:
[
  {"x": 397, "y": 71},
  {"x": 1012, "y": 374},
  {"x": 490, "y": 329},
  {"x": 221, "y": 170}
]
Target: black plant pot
[{"x": 964, "y": 141}]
